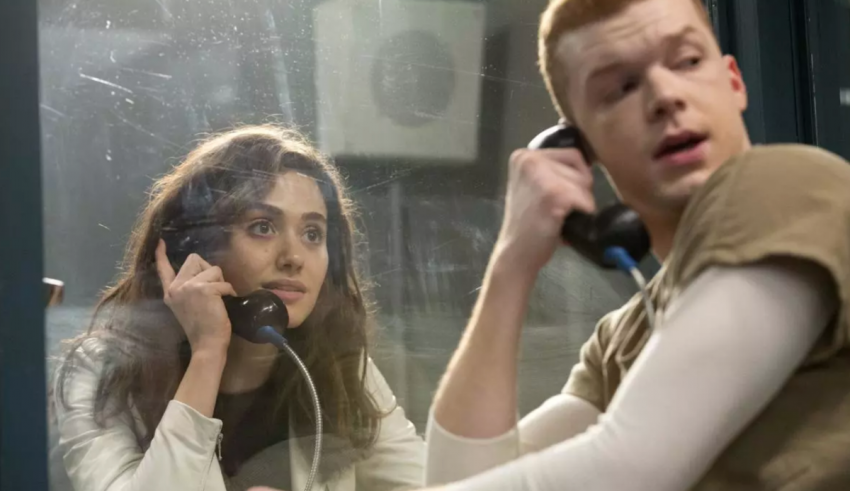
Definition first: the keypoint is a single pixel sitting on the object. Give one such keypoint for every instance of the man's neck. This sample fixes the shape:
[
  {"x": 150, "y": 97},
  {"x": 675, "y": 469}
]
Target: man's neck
[
  {"x": 662, "y": 231},
  {"x": 662, "y": 227}
]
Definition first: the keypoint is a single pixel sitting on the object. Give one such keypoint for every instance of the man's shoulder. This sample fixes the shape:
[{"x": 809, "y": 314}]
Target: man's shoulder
[
  {"x": 771, "y": 195},
  {"x": 783, "y": 170},
  {"x": 790, "y": 163},
  {"x": 792, "y": 150}
]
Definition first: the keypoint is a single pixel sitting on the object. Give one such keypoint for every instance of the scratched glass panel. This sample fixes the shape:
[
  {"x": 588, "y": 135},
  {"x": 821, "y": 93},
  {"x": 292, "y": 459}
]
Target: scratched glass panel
[{"x": 418, "y": 102}]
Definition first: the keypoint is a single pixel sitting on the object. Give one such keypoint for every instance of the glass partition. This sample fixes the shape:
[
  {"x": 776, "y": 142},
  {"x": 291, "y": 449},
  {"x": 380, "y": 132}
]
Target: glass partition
[{"x": 418, "y": 103}]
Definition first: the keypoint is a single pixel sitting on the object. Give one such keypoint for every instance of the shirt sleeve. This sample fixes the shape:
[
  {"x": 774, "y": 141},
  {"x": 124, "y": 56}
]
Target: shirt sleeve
[
  {"x": 451, "y": 457},
  {"x": 726, "y": 347},
  {"x": 108, "y": 457}
]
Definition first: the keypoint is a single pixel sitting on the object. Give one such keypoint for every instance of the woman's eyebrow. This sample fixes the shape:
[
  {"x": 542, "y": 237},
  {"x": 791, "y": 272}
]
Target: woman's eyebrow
[
  {"x": 278, "y": 213},
  {"x": 265, "y": 208},
  {"x": 315, "y": 216}
]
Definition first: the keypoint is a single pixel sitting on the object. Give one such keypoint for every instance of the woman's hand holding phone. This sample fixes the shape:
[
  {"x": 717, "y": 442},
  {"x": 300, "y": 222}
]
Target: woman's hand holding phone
[{"x": 194, "y": 295}]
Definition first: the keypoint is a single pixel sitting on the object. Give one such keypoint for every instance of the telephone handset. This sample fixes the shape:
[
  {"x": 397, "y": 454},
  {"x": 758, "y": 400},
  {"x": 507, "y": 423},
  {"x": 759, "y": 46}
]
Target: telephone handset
[
  {"x": 247, "y": 314},
  {"x": 593, "y": 236}
]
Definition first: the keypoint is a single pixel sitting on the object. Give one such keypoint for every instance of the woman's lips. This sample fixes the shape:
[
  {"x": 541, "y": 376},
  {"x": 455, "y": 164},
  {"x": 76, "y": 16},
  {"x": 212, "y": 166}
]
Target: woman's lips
[
  {"x": 289, "y": 296},
  {"x": 287, "y": 289}
]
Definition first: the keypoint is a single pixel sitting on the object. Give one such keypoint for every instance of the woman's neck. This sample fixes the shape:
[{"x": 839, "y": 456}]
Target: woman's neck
[{"x": 248, "y": 367}]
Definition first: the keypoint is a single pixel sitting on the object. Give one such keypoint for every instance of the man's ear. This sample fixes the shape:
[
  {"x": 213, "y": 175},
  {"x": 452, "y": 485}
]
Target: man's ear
[
  {"x": 736, "y": 81},
  {"x": 586, "y": 148}
]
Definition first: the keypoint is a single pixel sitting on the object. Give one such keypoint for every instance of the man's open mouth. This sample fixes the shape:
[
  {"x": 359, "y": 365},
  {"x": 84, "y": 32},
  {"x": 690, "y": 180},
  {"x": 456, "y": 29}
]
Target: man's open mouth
[{"x": 679, "y": 143}]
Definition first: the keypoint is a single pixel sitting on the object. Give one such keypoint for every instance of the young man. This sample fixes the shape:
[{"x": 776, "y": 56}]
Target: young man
[{"x": 744, "y": 382}]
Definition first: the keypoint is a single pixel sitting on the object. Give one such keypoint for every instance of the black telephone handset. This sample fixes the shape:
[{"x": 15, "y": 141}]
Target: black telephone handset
[
  {"x": 248, "y": 314},
  {"x": 593, "y": 235},
  {"x": 252, "y": 312}
]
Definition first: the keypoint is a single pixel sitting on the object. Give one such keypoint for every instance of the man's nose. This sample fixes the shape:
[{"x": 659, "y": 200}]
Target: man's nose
[{"x": 664, "y": 95}]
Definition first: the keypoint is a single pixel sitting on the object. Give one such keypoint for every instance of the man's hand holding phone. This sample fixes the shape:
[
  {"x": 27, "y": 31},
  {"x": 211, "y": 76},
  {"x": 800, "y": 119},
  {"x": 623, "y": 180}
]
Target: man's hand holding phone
[{"x": 544, "y": 186}]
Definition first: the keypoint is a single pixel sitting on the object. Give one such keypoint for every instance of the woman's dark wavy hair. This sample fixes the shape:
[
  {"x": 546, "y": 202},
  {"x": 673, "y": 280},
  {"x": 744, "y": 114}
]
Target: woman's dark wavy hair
[{"x": 142, "y": 344}]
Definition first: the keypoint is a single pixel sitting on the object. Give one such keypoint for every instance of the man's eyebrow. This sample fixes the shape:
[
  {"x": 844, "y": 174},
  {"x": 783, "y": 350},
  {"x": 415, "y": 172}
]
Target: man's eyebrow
[
  {"x": 605, "y": 69},
  {"x": 686, "y": 31},
  {"x": 617, "y": 63}
]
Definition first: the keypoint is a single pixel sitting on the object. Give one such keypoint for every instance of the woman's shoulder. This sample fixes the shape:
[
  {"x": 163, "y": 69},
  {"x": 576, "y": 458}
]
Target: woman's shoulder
[
  {"x": 85, "y": 363},
  {"x": 85, "y": 353},
  {"x": 371, "y": 373},
  {"x": 81, "y": 366},
  {"x": 378, "y": 387}
]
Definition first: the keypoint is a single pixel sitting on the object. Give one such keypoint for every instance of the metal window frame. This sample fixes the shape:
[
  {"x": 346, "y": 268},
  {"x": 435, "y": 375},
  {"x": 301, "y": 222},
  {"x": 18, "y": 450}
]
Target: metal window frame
[
  {"x": 23, "y": 420},
  {"x": 788, "y": 51},
  {"x": 763, "y": 36},
  {"x": 823, "y": 28}
]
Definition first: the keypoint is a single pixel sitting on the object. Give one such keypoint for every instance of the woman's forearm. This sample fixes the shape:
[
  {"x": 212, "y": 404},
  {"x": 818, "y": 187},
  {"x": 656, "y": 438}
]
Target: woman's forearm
[{"x": 200, "y": 384}]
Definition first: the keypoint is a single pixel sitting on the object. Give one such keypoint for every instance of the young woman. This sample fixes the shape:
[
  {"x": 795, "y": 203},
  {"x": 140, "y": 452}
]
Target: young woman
[{"x": 158, "y": 395}]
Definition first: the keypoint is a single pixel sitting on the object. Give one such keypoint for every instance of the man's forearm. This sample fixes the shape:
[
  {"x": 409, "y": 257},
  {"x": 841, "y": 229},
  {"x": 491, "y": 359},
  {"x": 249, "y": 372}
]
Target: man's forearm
[{"x": 478, "y": 395}]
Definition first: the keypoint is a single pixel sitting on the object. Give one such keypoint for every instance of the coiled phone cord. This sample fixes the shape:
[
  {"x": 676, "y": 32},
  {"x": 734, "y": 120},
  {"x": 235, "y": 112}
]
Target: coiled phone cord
[
  {"x": 269, "y": 335},
  {"x": 625, "y": 263}
]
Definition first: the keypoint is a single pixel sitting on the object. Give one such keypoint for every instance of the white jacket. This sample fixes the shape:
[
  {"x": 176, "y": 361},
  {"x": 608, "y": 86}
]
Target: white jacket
[{"x": 182, "y": 455}]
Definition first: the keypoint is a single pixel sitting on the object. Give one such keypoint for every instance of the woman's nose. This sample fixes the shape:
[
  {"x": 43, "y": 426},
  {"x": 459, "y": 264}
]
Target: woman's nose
[{"x": 290, "y": 256}]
